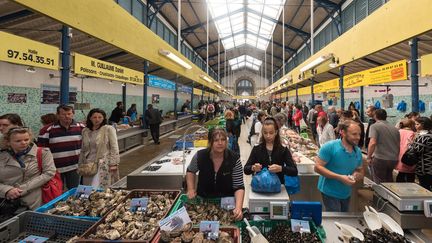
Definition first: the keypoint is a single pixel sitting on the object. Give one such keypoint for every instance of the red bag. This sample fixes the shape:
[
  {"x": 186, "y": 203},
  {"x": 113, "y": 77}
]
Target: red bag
[{"x": 54, "y": 187}]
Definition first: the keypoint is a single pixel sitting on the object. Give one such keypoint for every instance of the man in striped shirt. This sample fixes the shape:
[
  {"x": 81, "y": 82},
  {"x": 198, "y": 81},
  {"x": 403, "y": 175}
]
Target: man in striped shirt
[{"x": 63, "y": 138}]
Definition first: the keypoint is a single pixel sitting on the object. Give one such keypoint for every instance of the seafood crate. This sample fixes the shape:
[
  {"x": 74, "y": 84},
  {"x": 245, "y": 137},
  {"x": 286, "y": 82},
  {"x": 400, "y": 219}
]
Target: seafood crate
[
  {"x": 56, "y": 228},
  {"x": 50, "y": 205},
  {"x": 234, "y": 232},
  {"x": 115, "y": 214},
  {"x": 266, "y": 227},
  {"x": 224, "y": 216}
]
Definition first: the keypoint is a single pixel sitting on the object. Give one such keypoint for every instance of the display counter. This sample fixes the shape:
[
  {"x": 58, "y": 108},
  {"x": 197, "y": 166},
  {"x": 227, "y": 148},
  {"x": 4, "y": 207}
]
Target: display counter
[
  {"x": 163, "y": 172},
  {"x": 356, "y": 220},
  {"x": 169, "y": 126},
  {"x": 131, "y": 137}
]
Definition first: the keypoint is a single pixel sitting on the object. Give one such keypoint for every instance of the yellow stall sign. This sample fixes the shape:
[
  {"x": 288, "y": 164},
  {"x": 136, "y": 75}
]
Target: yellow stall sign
[
  {"x": 426, "y": 65},
  {"x": 96, "y": 68},
  {"x": 20, "y": 50},
  {"x": 197, "y": 91},
  {"x": 326, "y": 86},
  {"x": 391, "y": 72}
]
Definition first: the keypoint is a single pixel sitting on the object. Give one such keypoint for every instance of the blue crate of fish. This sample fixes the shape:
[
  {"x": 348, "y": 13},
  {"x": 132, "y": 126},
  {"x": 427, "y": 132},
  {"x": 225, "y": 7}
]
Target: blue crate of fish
[{"x": 71, "y": 193}]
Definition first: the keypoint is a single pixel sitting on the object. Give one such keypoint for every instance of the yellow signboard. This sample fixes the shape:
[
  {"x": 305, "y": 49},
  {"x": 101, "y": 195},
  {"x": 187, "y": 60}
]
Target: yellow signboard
[
  {"x": 326, "y": 86},
  {"x": 197, "y": 91},
  {"x": 426, "y": 65},
  {"x": 20, "y": 50},
  {"x": 391, "y": 72},
  {"x": 96, "y": 68},
  {"x": 304, "y": 91}
]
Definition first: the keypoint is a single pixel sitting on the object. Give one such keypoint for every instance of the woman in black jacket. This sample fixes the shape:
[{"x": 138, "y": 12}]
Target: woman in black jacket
[{"x": 271, "y": 154}]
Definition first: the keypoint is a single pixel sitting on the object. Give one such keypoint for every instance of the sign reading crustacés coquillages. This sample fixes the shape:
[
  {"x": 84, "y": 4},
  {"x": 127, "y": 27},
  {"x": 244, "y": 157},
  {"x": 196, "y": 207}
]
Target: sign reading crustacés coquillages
[{"x": 96, "y": 68}]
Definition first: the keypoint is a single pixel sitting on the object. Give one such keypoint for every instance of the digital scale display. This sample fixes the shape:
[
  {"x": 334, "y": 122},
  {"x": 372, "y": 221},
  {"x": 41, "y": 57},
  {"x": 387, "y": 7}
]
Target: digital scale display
[
  {"x": 279, "y": 210},
  {"x": 427, "y": 205}
]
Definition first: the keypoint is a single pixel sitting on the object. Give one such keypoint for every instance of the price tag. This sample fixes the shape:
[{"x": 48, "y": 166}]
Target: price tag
[
  {"x": 210, "y": 229},
  {"x": 175, "y": 221},
  {"x": 139, "y": 204},
  {"x": 301, "y": 226},
  {"x": 83, "y": 192},
  {"x": 33, "y": 239},
  {"x": 20, "y": 50},
  {"x": 228, "y": 203}
]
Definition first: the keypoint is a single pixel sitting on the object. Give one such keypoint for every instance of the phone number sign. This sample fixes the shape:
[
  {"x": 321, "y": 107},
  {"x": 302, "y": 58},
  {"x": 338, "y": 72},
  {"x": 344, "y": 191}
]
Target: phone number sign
[{"x": 20, "y": 50}]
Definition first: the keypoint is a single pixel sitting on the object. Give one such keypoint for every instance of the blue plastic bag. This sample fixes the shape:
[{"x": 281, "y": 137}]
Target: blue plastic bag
[
  {"x": 292, "y": 184},
  {"x": 265, "y": 181}
]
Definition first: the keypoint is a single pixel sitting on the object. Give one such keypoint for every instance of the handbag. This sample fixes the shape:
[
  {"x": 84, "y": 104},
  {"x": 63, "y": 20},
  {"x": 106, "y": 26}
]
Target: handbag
[
  {"x": 410, "y": 157},
  {"x": 90, "y": 168},
  {"x": 54, "y": 187}
]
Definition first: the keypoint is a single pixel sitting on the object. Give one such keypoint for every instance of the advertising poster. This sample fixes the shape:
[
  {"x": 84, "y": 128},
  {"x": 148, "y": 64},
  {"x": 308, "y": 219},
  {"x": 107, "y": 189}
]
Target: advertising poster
[
  {"x": 51, "y": 97},
  {"x": 155, "y": 98}
]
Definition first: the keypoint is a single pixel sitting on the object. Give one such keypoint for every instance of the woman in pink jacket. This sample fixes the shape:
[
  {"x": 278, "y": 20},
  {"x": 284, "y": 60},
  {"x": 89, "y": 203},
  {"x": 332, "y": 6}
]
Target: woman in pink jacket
[
  {"x": 298, "y": 116},
  {"x": 407, "y": 134}
]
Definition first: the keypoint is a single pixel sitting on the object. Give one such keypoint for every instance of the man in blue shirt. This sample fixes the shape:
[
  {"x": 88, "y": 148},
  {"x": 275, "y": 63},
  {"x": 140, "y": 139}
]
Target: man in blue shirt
[{"x": 340, "y": 166}]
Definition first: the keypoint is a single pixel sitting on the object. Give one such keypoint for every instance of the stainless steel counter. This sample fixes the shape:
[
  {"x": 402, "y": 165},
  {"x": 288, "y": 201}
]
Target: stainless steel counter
[{"x": 131, "y": 137}]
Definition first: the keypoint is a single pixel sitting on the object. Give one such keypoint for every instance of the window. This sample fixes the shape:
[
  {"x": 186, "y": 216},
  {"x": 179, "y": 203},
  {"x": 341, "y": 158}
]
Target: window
[{"x": 245, "y": 60}]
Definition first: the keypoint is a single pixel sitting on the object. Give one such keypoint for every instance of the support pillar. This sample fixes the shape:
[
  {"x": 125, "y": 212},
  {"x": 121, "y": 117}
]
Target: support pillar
[
  {"x": 145, "y": 89},
  {"x": 312, "y": 91},
  {"x": 65, "y": 57},
  {"x": 362, "y": 104},
  {"x": 175, "y": 97},
  {"x": 414, "y": 75},
  {"x": 124, "y": 96},
  {"x": 341, "y": 88},
  {"x": 296, "y": 99},
  {"x": 192, "y": 98},
  {"x": 202, "y": 94}
]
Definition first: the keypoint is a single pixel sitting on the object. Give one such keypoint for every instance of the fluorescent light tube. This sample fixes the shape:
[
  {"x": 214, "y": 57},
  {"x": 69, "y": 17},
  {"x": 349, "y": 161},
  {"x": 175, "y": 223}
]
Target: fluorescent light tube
[
  {"x": 315, "y": 62},
  {"x": 175, "y": 58},
  {"x": 206, "y": 78}
]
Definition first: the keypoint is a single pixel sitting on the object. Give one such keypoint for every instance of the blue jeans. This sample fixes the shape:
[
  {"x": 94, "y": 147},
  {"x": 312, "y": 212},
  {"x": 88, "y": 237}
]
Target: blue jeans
[{"x": 333, "y": 204}]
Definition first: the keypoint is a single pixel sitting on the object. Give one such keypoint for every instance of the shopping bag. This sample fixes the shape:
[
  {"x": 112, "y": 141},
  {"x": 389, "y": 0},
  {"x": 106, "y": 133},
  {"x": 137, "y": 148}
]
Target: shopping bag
[
  {"x": 54, "y": 187},
  {"x": 292, "y": 184},
  {"x": 266, "y": 181}
]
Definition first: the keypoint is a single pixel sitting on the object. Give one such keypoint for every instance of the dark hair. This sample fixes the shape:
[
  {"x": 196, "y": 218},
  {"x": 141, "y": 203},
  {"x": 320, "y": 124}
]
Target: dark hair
[
  {"x": 65, "y": 108},
  {"x": 48, "y": 118},
  {"x": 271, "y": 121},
  {"x": 133, "y": 105},
  {"x": 89, "y": 123},
  {"x": 212, "y": 135},
  {"x": 412, "y": 114},
  {"x": 347, "y": 114},
  {"x": 381, "y": 114},
  {"x": 260, "y": 115},
  {"x": 346, "y": 124},
  {"x": 119, "y": 103},
  {"x": 425, "y": 122},
  {"x": 13, "y": 118}
]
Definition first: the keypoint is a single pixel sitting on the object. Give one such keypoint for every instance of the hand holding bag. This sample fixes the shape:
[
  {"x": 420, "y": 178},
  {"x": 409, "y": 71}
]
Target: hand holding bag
[
  {"x": 265, "y": 181},
  {"x": 90, "y": 168},
  {"x": 54, "y": 187}
]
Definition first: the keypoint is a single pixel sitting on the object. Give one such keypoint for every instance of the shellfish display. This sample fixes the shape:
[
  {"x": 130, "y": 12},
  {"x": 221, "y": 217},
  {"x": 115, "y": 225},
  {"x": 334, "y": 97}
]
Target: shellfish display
[
  {"x": 299, "y": 144},
  {"x": 123, "y": 224},
  {"x": 380, "y": 235},
  {"x": 97, "y": 205},
  {"x": 209, "y": 211},
  {"x": 188, "y": 235},
  {"x": 282, "y": 234}
]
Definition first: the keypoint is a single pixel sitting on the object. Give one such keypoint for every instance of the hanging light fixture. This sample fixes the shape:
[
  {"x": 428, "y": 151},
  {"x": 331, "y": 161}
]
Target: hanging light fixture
[
  {"x": 316, "y": 62},
  {"x": 206, "y": 78},
  {"x": 175, "y": 58},
  {"x": 334, "y": 63}
]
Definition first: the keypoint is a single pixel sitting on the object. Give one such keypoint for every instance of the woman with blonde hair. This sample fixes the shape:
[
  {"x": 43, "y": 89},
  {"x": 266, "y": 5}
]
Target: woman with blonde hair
[
  {"x": 99, "y": 158},
  {"x": 20, "y": 177}
]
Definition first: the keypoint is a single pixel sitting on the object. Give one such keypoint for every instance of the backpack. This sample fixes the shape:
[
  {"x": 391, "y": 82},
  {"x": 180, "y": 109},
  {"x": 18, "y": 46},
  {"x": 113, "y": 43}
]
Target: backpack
[
  {"x": 278, "y": 109},
  {"x": 252, "y": 130}
]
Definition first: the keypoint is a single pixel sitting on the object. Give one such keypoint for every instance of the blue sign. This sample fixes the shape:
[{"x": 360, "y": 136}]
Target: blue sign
[
  {"x": 184, "y": 89},
  {"x": 158, "y": 82}
]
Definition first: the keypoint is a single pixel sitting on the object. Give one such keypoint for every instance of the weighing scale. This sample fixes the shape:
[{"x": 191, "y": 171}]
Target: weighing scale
[
  {"x": 276, "y": 204},
  {"x": 408, "y": 204}
]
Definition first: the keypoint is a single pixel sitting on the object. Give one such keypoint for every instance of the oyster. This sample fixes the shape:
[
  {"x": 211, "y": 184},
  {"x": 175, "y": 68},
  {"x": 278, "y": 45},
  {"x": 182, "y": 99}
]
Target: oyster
[
  {"x": 98, "y": 204},
  {"x": 209, "y": 211},
  {"x": 135, "y": 225}
]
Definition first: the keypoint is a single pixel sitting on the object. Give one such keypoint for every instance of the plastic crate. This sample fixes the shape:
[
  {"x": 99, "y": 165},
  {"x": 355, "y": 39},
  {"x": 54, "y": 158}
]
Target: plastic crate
[
  {"x": 265, "y": 226},
  {"x": 64, "y": 197},
  {"x": 233, "y": 231},
  {"x": 132, "y": 194},
  {"x": 56, "y": 228}
]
